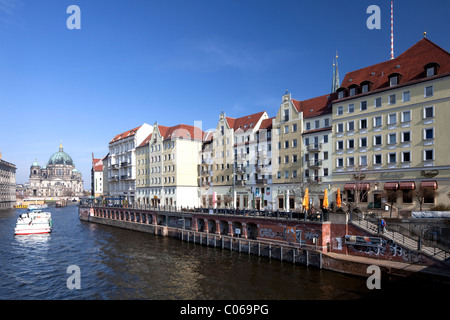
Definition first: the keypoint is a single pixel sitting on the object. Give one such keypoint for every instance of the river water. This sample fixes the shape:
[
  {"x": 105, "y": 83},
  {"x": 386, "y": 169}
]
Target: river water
[{"x": 123, "y": 264}]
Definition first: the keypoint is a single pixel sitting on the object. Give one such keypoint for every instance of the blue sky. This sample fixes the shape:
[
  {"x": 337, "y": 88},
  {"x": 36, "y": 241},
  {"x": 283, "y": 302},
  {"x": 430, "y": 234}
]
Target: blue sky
[{"x": 177, "y": 61}]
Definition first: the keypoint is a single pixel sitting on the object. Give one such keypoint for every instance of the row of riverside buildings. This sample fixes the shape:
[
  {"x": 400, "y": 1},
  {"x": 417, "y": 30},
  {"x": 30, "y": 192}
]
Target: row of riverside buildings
[
  {"x": 7, "y": 184},
  {"x": 379, "y": 138}
]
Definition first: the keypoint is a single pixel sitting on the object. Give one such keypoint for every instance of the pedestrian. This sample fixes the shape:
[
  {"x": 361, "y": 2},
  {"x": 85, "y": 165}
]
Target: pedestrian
[{"x": 383, "y": 225}]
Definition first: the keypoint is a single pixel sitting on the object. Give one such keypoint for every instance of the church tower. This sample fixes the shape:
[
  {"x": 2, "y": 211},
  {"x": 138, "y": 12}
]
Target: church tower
[{"x": 335, "y": 81}]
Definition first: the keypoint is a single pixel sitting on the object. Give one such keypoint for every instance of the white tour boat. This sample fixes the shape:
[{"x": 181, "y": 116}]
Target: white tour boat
[
  {"x": 34, "y": 222},
  {"x": 37, "y": 206}
]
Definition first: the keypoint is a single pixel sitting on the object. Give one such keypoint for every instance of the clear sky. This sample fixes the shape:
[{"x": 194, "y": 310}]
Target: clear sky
[{"x": 178, "y": 61}]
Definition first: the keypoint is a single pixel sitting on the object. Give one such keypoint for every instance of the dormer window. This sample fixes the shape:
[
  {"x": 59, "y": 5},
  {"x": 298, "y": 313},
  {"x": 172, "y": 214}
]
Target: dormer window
[
  {"x": 341, "y": 93},
  {"x": 394, "y": 79},
  {"x": 353, "y": 91},
  {"x": 365, "y": 87},
  {"x": 431, "y": 69}
]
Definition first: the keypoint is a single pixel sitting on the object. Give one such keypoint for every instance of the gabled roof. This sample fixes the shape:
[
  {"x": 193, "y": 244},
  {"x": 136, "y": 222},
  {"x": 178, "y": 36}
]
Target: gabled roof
[
  {"x": 98, "y": 165},
  {"x": 410, "y": 65},
  {"x": 183, "y": 131},
  {"x": 315, "y": 107},
  {"x": 266, "y": 124},
  {"x": 146, "y": 141},
  {"x": 244, "y": 123},
  {"x": 125, "y": 134}
]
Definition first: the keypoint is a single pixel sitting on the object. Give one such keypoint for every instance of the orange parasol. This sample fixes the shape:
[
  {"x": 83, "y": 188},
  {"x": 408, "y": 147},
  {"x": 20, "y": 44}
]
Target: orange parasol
[
  {"x": 338, "y": 198},
  {"x": 325, "y": 199},
  {"x": 306, "y": 200}
]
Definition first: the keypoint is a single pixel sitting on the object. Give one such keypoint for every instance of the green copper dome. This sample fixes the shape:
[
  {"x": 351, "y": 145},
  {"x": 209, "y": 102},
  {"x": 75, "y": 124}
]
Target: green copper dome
[{"x": 60, "y": 157}]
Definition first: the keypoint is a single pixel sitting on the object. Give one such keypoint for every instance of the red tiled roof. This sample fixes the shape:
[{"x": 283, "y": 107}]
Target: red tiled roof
[
  {"x": 410, "y": 65},
  {"x": 316, "y": 106},
  {"x": 98, "y": 165},
  {"x": 146, "y": 141},
  {"x": 125, "y": 134},
  {"x": 246, "y": 122},
  {"x": 184, "y": 131},
  {"x": 266, "y": 124}
]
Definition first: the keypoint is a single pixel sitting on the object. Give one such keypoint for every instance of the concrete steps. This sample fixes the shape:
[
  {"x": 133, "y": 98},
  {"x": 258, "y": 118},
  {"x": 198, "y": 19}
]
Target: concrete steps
[{"x": 403, "y": 240}]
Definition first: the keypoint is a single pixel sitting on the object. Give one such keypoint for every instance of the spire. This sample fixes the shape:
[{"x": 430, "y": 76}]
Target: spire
[
  {"x": 335, "y": 81},
  {"x": 60, "y": 147}
]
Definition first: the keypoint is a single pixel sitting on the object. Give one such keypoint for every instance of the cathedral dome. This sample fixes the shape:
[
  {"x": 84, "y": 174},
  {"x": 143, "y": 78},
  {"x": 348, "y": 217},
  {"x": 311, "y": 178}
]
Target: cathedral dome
[{"x": 60, "y": 157}]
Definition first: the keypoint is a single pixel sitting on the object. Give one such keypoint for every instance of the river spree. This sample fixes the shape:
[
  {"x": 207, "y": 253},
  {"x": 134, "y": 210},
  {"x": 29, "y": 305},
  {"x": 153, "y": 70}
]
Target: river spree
[{"x": 123, "y": 264}]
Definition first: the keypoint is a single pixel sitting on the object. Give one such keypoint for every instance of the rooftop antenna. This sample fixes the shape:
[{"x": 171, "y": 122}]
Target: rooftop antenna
[{"x": 392, "y": 30}]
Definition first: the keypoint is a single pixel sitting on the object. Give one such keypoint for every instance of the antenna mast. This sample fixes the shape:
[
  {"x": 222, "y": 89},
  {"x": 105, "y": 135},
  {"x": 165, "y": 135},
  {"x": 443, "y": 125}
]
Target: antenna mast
[{"x": 392, "y": 30}]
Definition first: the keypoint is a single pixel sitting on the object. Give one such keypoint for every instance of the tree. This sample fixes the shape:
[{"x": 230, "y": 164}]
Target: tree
[
  {"x": 421, "y": 194},
  {"x": 391, "y": 197}
]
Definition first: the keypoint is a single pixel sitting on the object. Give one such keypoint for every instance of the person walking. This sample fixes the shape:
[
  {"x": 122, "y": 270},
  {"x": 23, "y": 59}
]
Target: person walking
[{"x": 383, "y": 225}]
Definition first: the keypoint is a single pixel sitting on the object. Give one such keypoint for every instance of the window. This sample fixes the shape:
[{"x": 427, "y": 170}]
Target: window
[
  {"x": 339, "y": 162},
  {"x": 350, "y": 161},
  {"x": 363, "y": 105},
  {"x": 392, "y": 99},
  {"x": 429, "y": 91},
  {"x": 325, "y": 138},
  {"x": 325, "y": 155},
  {"x": 294, "y": 143},
  {"x": 363, "y": 160},
  {"x": 365, "y": 88},
  {"x": 392, "y": 118},
  {"x": 325, "y": 172},
  {"x": 363, "y": 124},
  {"x": 406, "y": 136},
  {"x": 286, "y": 144},
  {"x": 428, "y": 112},
  {"x": 279, "y": 175},
  {"x": 341, "y": 94},
  {"x": 351, "y": 126},
  {"x": 430, "y": 71},
  {"x": 278, "y": 131},
  {"x": 428, "y": 155},
  {"x": 392, "y": 138},
  {"x": 340, "y": 127},
  {"x": 406, "y": 156},
  {"x": 363, "y": 142},
  {"x": 392, "y": 157},
  {"x": 294, "y": 127},
  {"x": 428, "y": 133},
  {"x": 377, "y": 140},
  {"x": 286, "y": 174},
  {"x": 340, "y": 144},
  {"x": 351, "y": 108},
  {"x": 377, "y": 159},
  {"x": 286, "y": 114},
  {"x": 286, "y": 129},
  {"x": 377, "y": 102},
  {"x": 377, "y": 121},
  {"x": 350, "y": 144},
  {"x": 407, "y": 196},
  {"x": 317, "y": 124},
  {"x": 393, "y": 81},
  {"x": 326, "y": 122},
  {"x": 286, "y": 159},
  {"x": 340, "y": 110},
  {"x": 294, "y": 158},
  {"x": 406, "y": 96},
  {"x": 406, "y": 116},
  {"x": 352, "y": 91},
  {"x": 308, "y": 126},
  {"x": 294, "y": 173}
]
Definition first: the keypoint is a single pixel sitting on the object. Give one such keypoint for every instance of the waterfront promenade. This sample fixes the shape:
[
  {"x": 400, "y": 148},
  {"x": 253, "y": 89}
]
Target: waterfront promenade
[{"x": 312, "y": 241}]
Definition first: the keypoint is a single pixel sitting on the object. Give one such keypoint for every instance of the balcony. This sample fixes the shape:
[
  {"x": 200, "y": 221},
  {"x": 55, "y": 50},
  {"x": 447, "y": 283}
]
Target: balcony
[
  {"x": 261, "y": 182},
  {"x": 314, "y": 147},
  {"x": 114, "y": 178},
  {"x": 314, "y": 163},
  {"x": 124, "y": 164},
  {"x": 240, "y": 170},
  {"x": 315, "y": 179},
  {"x": 239, "y": 183}
]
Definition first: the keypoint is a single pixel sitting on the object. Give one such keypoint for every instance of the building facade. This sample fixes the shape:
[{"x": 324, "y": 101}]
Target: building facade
[
  {"x": 7, "y": 184},
  {"x": 97, "y": 178},
  {"x": 122, "y": 162},
  {"x": 390, "y": 128},
  {"x": 57, "y": 178}
]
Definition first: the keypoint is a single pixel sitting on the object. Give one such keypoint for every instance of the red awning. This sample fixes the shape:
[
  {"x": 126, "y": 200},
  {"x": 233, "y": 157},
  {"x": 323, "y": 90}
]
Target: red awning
[
  {"x": 361, "y": 186},
  {"x": 350, "y": 186},
  {"x": 429, "y": 184},
  {"x": 391, "y": 186},
  {"x": 407, "y": 185}
]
